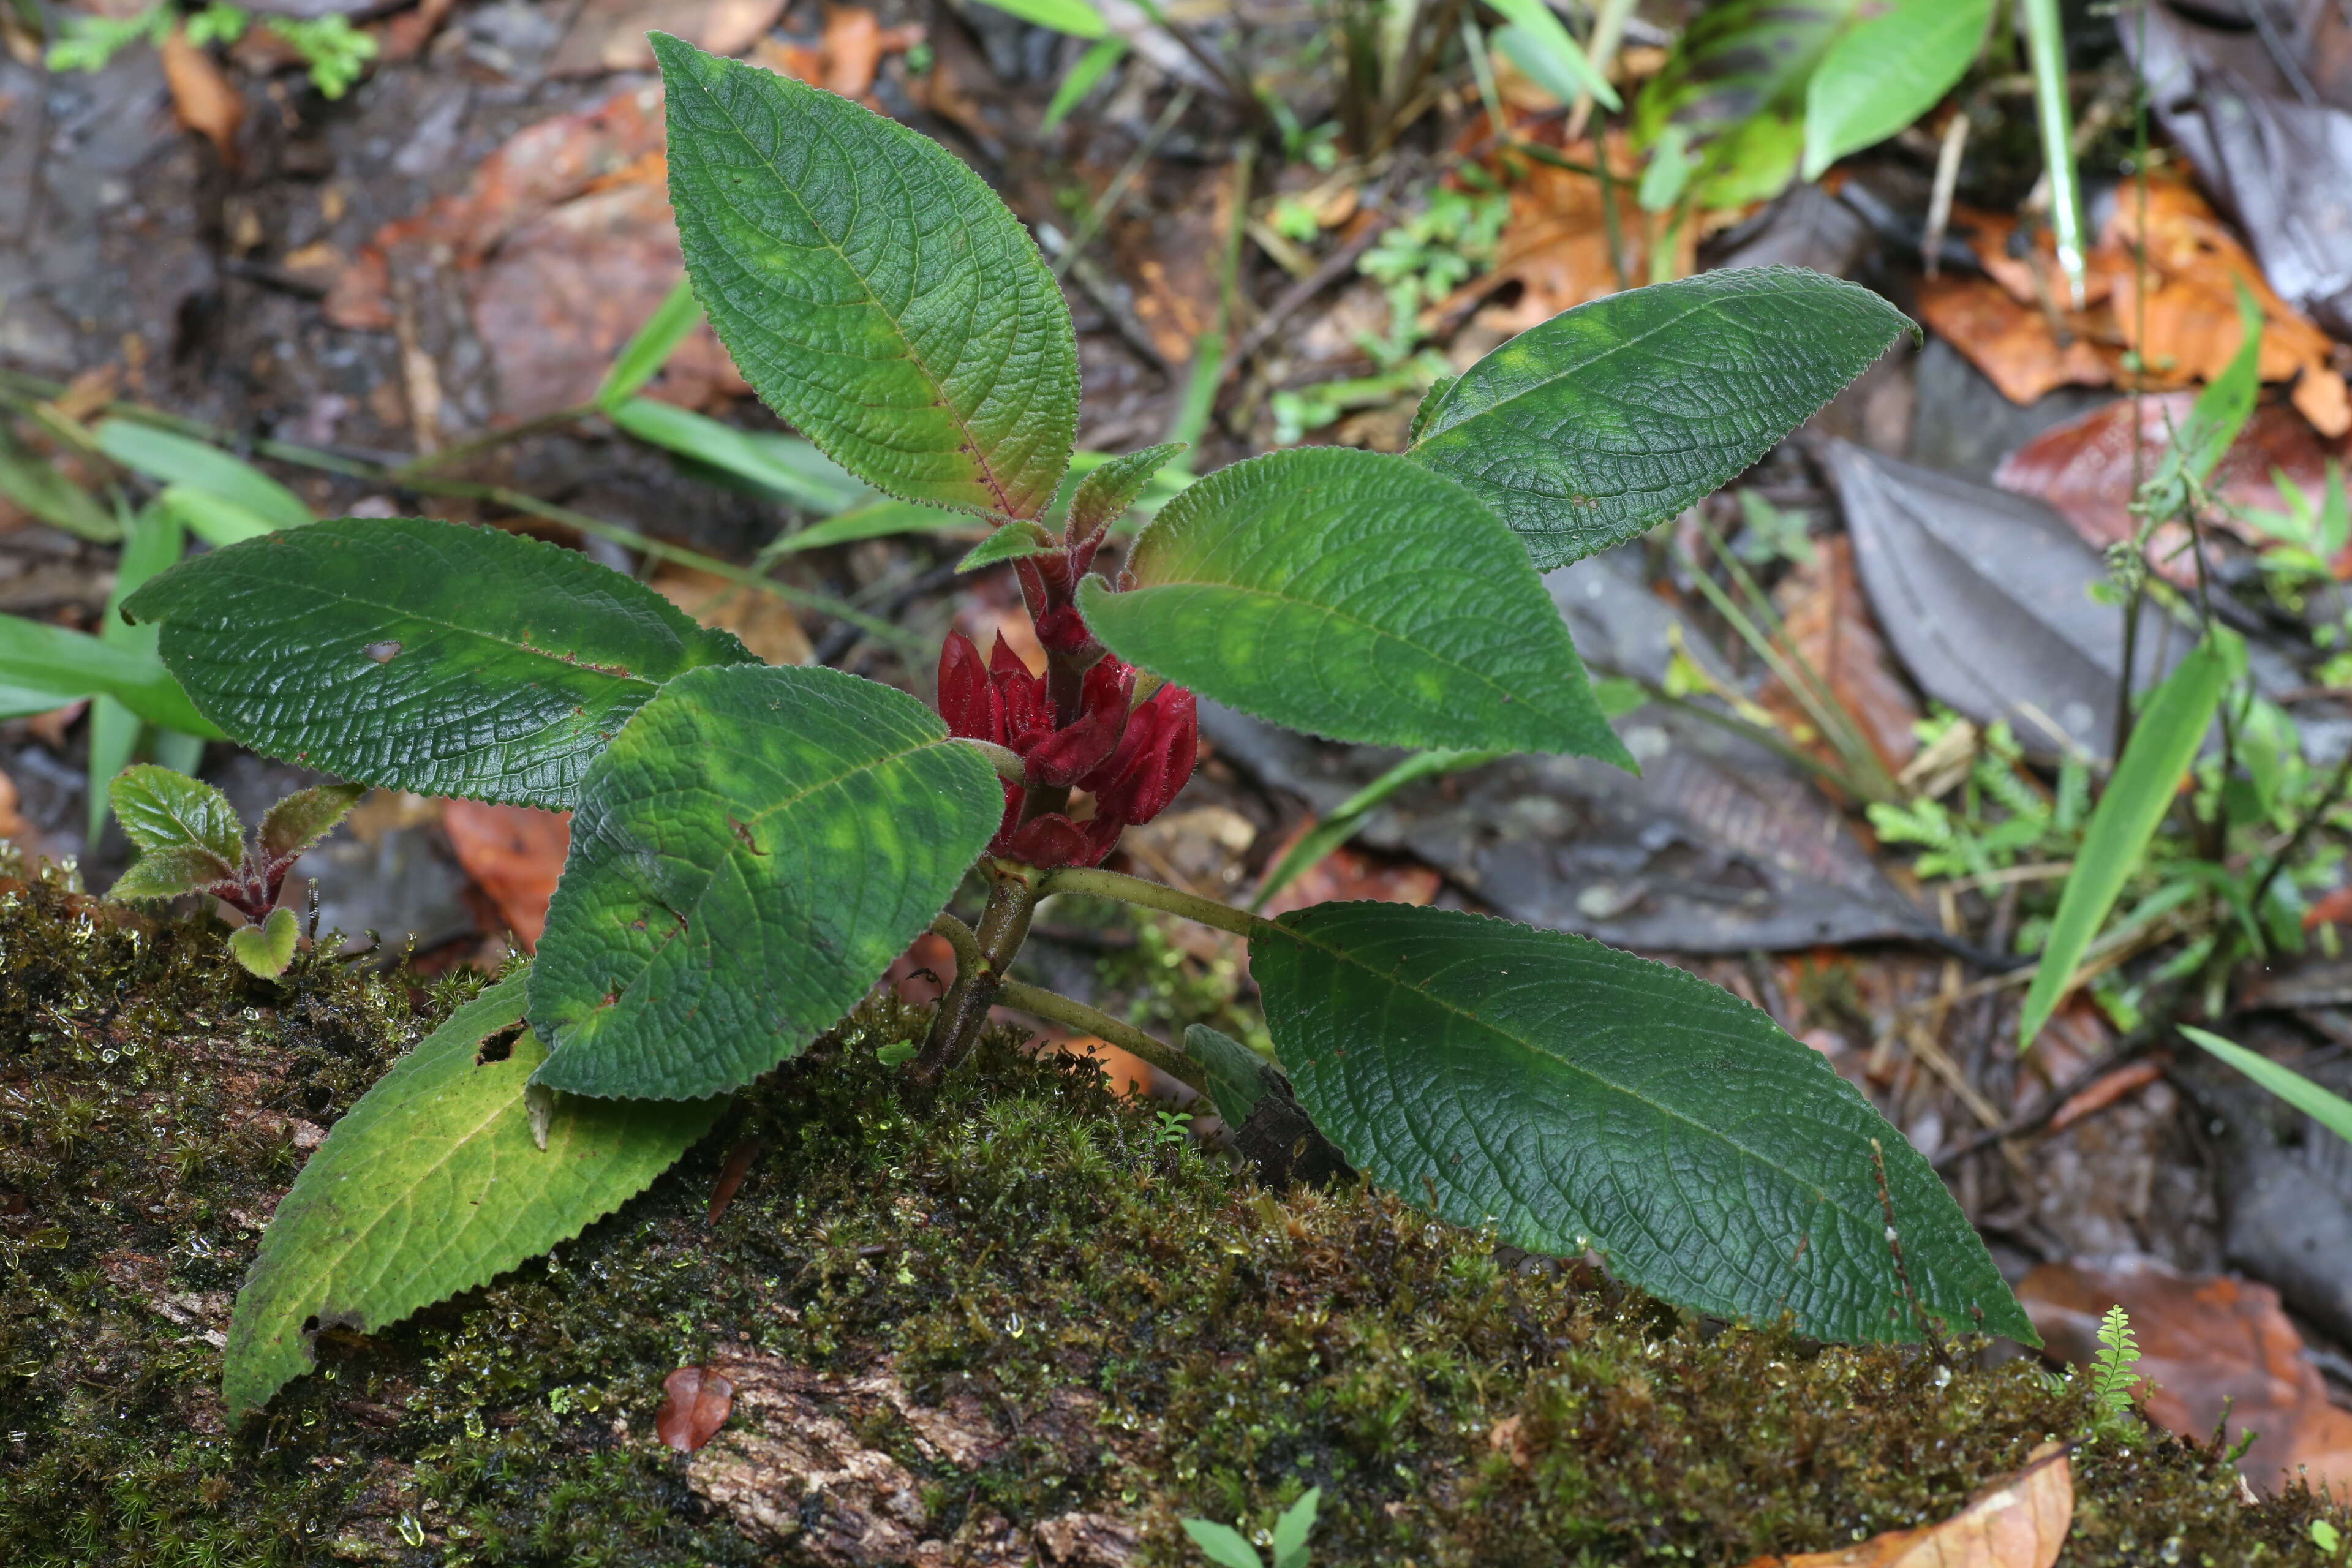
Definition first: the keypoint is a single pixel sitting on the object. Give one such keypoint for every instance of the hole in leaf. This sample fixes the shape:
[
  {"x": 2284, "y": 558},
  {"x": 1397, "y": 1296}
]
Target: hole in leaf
[{"x": 497, "y": 1047}]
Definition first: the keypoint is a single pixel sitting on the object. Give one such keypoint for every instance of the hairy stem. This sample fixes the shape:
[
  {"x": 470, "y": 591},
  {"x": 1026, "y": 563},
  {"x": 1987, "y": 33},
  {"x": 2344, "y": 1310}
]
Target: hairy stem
[
  {"x": 984, "y": 957},
  {"x": 1154, "y": 896},
  {"x": 1061, "y": 1009}
]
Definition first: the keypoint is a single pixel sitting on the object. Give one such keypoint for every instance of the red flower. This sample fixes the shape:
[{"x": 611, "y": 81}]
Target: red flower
[{"x": 1133, "y": 764}]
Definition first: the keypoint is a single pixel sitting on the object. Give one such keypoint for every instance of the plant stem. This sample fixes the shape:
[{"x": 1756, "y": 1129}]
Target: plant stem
[
  {"x": 489, "y": 440},
  {"x": 979, "y": 971},
  {"x": 1061, "y": 1009},
  {"x": 2046, "y": 46},
  {"x": 1100, "y": 884},
  {"x": 2328, "y": 799}
]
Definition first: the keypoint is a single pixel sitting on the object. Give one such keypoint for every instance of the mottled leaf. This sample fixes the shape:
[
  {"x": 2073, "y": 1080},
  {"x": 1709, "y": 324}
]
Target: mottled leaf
[
  {"x": 746, "y": 860},
  {"x": 1358, "y": 596},
  {"x": 431, "y": 1185},
  {"x": 423, "y": 656},
  {"x": 1575, "y": 1097},
  {"x": 1616, "y": 414},
  {"x": 875, "y": 293}
]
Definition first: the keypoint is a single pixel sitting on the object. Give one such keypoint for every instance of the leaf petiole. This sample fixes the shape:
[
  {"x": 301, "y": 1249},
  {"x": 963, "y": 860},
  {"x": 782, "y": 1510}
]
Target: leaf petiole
[
  {"x": 1061, "y": 1009},
  {"x": 1100, "y": 884}
]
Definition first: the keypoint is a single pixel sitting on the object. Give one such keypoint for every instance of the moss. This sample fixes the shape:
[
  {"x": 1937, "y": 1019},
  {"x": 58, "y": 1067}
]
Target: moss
[{"x": 1023, "y": 1242}]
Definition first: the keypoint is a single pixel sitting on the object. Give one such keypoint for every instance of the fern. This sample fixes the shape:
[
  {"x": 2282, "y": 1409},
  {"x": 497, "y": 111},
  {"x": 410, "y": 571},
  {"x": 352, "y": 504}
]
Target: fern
[{"x": 2113, "y": 1381}]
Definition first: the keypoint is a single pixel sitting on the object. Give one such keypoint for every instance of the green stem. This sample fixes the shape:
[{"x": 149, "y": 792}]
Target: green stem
[
  {"x": 1061, "y": 1009},
  {"x": 488, "y": 441},
  {"x": 2046, "y": 44},
  {"x": 981, "y": 968},
  {"x": 1098, "y": 884}
]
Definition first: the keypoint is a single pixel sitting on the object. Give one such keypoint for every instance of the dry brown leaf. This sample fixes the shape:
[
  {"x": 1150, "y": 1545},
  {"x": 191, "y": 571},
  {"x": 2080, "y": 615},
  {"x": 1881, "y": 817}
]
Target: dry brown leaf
[
  {"x": 203, "y": 98},
  {"x": 846, "y": 57},
  {"x": 610, "y": 35},
  {"x": 765, "y": 623},
  {"x": 1555, "y": 246},
  {"x": 1826, "y": 621},
  {"x": 2209, "y": 1344},
  {"x": 514, "y": 855},
  {"x": 2018, "y": 1521},
  {"x": 12, "y": 824},
  {"x": 50, "y": 727},
  {"x": 2183, "y": 328},
  {"x": 2104, "y": 1091},
  {"x": 697, "y": 1405}
]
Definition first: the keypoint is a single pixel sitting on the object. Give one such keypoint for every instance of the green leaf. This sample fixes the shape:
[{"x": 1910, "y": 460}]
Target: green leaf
[
  {"x": 875, "y": 520},
  {"x": 160, "y": 809},
  {"x": 1617, "y": 413},
  {"x": 642, "y": 357},
  {"x": 778, "y": 466},
  {"x": 871, "y": 287},
  {"x": 423, "y": 656},
  {"x": 167, "y": 873},
  {"x": 1011, "y": 542},
  {"x": 1560, "y": 59},
  {"x": 1349, "y": 815},
  {"x": 2222, "y": 408},
  {"x": 1076, "y": 17},
  {"x": 1358, "y": 596},
  {"x": 747, "y": 859},
  {"x": 266, "y": 949},
  {"x": 1236, "y": 1071},
  {"x": 175, "y": 459},
  {"x": 40, "y": 490},
  {"x": 44, "y": 666},
  {"x": 157, "y": 541},
  {"x": 1082, "y": 80},
  {"x": 216, "y": 519},
  {"x": 1574, "y": 1096},
  {"x": 1110, "y": 488},
  {"x": 1223, "y": 1543},
  {"x": 304, "y": 817},
  {"x": 1291, "y": 1530},
  {"x": 431, "y": 1185},
  {"x": 1888, "y": 71},
  {"x": 2162, "y": 745},
  {"x": 2329, "y": 1109}
]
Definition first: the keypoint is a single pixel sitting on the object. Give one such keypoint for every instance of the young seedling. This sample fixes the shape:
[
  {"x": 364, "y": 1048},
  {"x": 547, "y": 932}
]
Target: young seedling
[
  {"x": 2113, "y": 1381},
  {"x": 190, "y": 841},
  {"x": 753, "y": 847},
  {"x": 1228, "y": 1548}
]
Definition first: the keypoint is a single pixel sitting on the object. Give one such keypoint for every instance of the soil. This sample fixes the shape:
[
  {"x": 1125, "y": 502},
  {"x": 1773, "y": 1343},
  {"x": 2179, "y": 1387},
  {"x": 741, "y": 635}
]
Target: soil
[{"x": 1017, "y": 1323}]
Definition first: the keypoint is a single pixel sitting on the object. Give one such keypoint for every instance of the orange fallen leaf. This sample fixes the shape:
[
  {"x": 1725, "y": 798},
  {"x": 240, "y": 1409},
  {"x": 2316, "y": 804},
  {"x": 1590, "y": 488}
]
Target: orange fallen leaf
[
  {"x": 846, "y": 57},
  {"x": 2018, "y": 1521},
  {"x": 2330, "y": 908},
  {"x": 2210, "y": 1345},
  {"x": 1555, "y": 245},
  {"x": 2104, "y": 1091},
  {"x": 610, "y": 35},
  {"x": 11, "y": 823},
  {"x": 730, "y": 1177},
  {"x": 202, "y": 96},
  {"x": 1825, "y": 620},
  {"x": 765, "y": 623},
  {"x": 513, "y": 853},
  {"x": 698, "y": 1405}
]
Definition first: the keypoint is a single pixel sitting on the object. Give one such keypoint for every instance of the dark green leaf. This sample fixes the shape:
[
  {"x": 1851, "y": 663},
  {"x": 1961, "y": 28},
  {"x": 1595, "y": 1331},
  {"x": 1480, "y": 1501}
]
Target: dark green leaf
[
  {"x": 1888, "y": 71},
  {"x": 1616, "y": 414},
  {"x": 176, "y": 459},
  {"x": 423, "y": 656},
  {"x": 1108, "y": 490},
  {"x": 1358, "y": 596},
  {"x": 1236, "y": 1071},
  {"x": 2222, "y": 408},
  {"x": 746, "y": 860},
  {"x": 642, "y": 357},
  {"x": 871, "y": 287},
  {"x": 2162, "y": 745},
  {"x": 160, "y": 809},
  {"x": 431, "y": 1185},
  {"x": 1574, "y": 1097},
  {"x": 304, "y": 817}
]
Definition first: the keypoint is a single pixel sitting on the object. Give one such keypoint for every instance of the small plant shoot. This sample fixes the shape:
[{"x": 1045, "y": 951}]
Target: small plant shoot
[{"x": 753, "y": 845}]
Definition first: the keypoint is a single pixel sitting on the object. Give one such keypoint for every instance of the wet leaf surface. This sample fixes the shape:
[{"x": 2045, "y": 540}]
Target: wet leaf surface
[{"x": 695, "y": 1405}]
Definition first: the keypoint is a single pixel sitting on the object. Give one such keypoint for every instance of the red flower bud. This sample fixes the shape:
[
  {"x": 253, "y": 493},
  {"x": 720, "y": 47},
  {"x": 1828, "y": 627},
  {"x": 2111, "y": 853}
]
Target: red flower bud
[
  {"x": 1064, "y": 631},
  {"x": 1028, "y": 711},
  {"x": 967, "y": 699},
  {"x": 1051, "y": 840},
  {"x": 1154, "y": 759},
  {"x": 1062, "y": 757}
]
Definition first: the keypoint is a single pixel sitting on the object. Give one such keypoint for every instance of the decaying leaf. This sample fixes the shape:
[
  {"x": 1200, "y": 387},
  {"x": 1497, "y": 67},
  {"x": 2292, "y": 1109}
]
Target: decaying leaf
[
  {"x": 2215, "y": 1349},
  {"x": 847, "y": 57},
  {"x": 2181, "y": 330},
  {"x": 203, "y": 96},
  {"x": 1826, "y": 622},
  {"x": 514, "y": 853},
  {"x": 610, "y": 35},
  {"x": 2018, "y": 1521},
  {"x": 698, "y": 1405}
]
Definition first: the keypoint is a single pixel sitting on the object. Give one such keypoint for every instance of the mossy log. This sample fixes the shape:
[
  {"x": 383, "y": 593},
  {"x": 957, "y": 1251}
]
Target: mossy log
[{"x": 1017, "y": 1323}]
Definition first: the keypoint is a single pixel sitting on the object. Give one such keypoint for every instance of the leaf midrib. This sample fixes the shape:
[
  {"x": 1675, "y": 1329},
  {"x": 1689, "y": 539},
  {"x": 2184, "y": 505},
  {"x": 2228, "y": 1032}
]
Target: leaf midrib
[
  {"x": 1531, "y": 1048},
  {"x": 971, "y": 443}
]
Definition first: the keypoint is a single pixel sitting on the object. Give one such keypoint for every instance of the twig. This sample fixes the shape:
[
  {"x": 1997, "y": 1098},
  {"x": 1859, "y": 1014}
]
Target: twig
[
  {"x": 1939, "y": 200},
  {"x": 1339, "y": 264},
  {"x": 1099, "y": 214}
]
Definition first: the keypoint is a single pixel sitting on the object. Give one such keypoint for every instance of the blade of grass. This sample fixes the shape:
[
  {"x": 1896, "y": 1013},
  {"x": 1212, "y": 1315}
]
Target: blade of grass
[
  {"x": 2329, "y": 1109},
  {"x": 1349, "y": 815},
  {"x": 2046, "y": 43}
]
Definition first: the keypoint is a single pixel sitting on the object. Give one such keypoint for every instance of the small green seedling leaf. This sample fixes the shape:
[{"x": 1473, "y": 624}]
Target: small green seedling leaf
[
  {"x": 160, "y": 809},
  {"x": 642, "y": 357},
  {"x": 431, "y": 1185},
  {"x": 871, "y": 287},
  {"x": 1618, "y": 413},
  {"x": 1014, "y": 542},
  {"x": 304, "y": 817},
  {"x": 2330, "y": 1109},
  {"x": 1236, "y": 1071},
  {"x": 1358, "y": 596},
  {"x": 1076, "y": 17},
  {"x": 266, "y": 949},
  {"x": 1886, "y": 72},
  {"x": 746, "y": 860},
  {"x": 2162, "y": 745},
  {"x": 896, "y": 1052},
  {"x": 168, "y": 873},
  {"x": 1223, "y": 1544},
  {"x": 1291, "y": 1530},
  {"x": 1110, "y": 488},
  {"x": 2222, "y": 410},
  {"x": 2326, "y": 1537},
  {"x": 174, "y": 460},
  {"x": 2113, "y": 1381},
  {"x": 1575, "y": 1097},
  {"x": 1562, "y": 61},
  {"x": 424, "y": 655},
  {"x": 1082, "y": 80}
]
